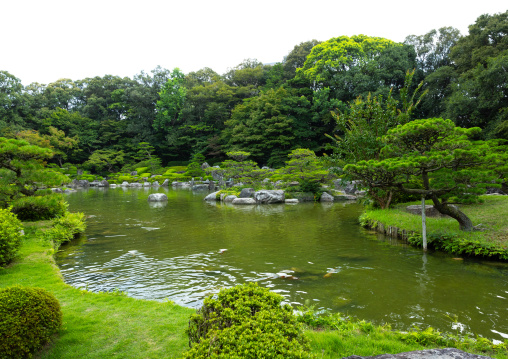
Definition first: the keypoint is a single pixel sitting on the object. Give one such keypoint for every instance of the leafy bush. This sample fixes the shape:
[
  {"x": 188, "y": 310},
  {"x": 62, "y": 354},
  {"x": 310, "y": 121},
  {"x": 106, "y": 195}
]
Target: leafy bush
[
  {"x": 38, "y": 208},
  {"x": 28, "y": 319},
  {"x": 146, "y": 174},
  {"x": 66, "y": 227},
  {"x": 10, "y": 236},
  {"x": 246, "y": 321},
  {"x": 141, "y": 169}
]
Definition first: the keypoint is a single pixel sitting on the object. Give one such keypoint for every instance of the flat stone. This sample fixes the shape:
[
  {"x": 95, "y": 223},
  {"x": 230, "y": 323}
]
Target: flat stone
[
  {"x": 269, "y": 196},
  {"x": 430, "y": 211},
  {"x": 447, "y": 353},
  {"x": 291, "y": 201}
]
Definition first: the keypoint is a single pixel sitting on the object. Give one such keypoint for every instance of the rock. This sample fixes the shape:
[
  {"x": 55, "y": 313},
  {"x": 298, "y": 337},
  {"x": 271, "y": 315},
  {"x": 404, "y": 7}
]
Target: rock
[
  {"x": 200, "y": 187},
  {"x": 326, "y": 197},
  {"x": 345, "y": 197},
  {"x": 157, "y": 197},
  {"x": 230, "y": 198},
  {"x": 212, "y": 196},
  {"x": 351, "y": 187},
  {"x": 447, "y": 353},
  {"x": 103, "y": 183},
  {"x": 242, "y": 201},
  {"x": 204, "y": 166},
  {"x": 211, "y": 186},
  {"x": 165, "y": 183},
  {"x": 94, "y": 183},
  {"x": 79, "y": 172},
  {"x": 68, "y": 191},
  {"x": 155, "y": 184},
  {"x": 293, "y": 184},
  {"x": 112, "y": 185},
  {"x": 146, "y": 184},
  {"x": 291, "y": 201},
  {"x": 125, "y": 184},
  {"x": 269, "y": 196},
  {"x": 134, "y": 173},
  {"x": 247, "y": 193},
  {"x": 56, "y": 190},
  {"x": 430, "y": 211}
]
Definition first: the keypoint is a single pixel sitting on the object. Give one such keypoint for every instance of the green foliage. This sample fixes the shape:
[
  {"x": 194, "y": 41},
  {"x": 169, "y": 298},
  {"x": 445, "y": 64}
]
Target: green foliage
[
  {"x": 67, "y": 227},
  {"x": 28, "y": 319},
  {"x": 38, "y": 208},
  {"x": 246, "y": 321},
  {"x": 306, "y": 168},
  {"x": 437, "y": 156},
  {"x": 141, "y": 170},
  {"x": 194, "y": 170},
  {"x": 22, "y": 169},
  {"x": 10, "y": 235},
  {"x": 105, "y": 160}
]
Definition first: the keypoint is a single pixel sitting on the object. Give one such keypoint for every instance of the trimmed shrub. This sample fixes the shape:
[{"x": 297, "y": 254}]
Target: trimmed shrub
[
  {"x": 38, "y": 208},
  {"x": 66, "y": 228},
  {"x": 10, "y": 236},
  {"x": 141, "y": 169},
  {"x": 28, "y": 319},
  {"x": 246, "y": 321}
]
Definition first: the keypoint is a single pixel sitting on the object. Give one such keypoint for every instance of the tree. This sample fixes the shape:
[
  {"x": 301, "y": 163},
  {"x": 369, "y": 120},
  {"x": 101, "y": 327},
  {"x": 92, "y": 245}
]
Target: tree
[
  {"x": 438, "y": 156},
  {"x": 296, "y": 57},
  {"x": 105, "y": 160},
  {"x": 22, "y": 170},
  {"x": 357, "y": 65},
  {"x": 304, "y": 167}
]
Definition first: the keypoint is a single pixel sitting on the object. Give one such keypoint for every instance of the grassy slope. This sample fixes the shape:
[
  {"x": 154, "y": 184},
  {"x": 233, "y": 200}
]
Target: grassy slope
[
  {"x": 492, "y": 214},
  {"x": 101, "y": 325}
]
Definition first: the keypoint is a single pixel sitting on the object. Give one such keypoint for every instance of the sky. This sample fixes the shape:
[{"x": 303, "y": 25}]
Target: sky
[{"x": 45, "y": 40}]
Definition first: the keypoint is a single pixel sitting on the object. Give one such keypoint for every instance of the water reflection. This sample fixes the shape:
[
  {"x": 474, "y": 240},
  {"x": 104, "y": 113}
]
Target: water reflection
[{"x": 310, "y": 253}]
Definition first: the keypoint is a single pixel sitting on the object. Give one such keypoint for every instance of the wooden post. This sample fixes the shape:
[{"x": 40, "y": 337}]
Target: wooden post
[{"x": 424, "y": 226}]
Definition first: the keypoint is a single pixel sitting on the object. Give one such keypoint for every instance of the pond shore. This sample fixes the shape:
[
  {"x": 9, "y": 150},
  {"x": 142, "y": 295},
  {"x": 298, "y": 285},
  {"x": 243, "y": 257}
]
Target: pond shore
[
  {"x": 443, "y": 233},
  {"x": 98, "y": 325}
]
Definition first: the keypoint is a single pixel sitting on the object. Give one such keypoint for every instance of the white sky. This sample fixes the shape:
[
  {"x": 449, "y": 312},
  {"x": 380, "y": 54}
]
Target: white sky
[{"x": 45, "y": 40}]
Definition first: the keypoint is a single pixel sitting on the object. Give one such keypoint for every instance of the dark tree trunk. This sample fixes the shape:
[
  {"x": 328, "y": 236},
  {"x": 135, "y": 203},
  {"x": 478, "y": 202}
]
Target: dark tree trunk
[{"x": 464, "y": 222}]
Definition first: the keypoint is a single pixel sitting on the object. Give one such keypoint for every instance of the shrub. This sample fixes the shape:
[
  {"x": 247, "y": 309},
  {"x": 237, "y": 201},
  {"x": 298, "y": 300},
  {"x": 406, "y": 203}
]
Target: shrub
[
  {"x": 141, "y": 169},
  {"x": 10, "y": 236},
  {"x": 28, "y": 319},
  {"x": 38, "y": 208},
  {"x": 146, "y": 174},
  {"x": 66, "y": 227},
  {"x": 246, "y": 321}
]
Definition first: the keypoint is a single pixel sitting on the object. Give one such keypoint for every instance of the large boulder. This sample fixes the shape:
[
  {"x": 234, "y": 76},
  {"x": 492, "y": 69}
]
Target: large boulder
[
  {"x": 200, "y": 187},
  {"x": 229, "y": 198},
  {"x": 157, "y": 197},
  {"x": 247, "y": 193},
  {"x": 269, "y": 196},
  {"x": 242, "y": 201},
  {"x": 165, "y": 183},
  {"x": 103, "y": 183},
  {"x": 447, "y": 353},
  {"x": 212, "y": 196},
  {"x": 326, "y": 197}
]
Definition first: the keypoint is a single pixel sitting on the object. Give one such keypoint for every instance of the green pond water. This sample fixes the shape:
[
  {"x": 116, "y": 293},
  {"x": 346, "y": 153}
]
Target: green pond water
[{"x": 187, "y": 248}]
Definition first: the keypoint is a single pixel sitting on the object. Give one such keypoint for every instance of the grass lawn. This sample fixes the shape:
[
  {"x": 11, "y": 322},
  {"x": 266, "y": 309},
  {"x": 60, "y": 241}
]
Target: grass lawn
[
  {"x": 492, "y": 214},
  {"x": 109, "y": 325}
]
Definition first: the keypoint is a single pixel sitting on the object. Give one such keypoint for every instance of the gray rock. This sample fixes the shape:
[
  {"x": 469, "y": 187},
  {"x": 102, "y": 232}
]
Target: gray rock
[
  {"x": 204, "y": 166},
  {"x": 291, "y": 201},
  {"x": 269, "y": 196},
  {"x": 326, "y": 197},
  {"x": 157, "y": 197},
  {"x": 345, "y": 197},
  {"x": 430, "y": 211},
  {"x": 447, "y": 353},
  {"x": 94, "y": 183},
  {"x": 351, "y": 187},
  {"x": 125, "y": 184},
  {"x": 230, "y": 198},
  {"x": 68, "y": 191},
  {"x": 246, "y": 193},
  {"x": 165, "y": 183},
  {"x": 103, "y": 183},
  {"x": 200, "y": 187},
  {"x": 155, "y": 184},
  {"x": 146, "y": 184},
  {"x": 212, "y": 196},
  {"x": 242, "y": 201},
  {"x": 112, "y": 185},
  {"x": 79, "y": 172},
  {"x": 56, "y": 190},
  {"x": 134, "y": 173}
]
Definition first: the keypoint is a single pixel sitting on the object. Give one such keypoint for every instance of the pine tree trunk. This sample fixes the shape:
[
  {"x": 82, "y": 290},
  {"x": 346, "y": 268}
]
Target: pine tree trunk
[{"x": 464, "y": 222}]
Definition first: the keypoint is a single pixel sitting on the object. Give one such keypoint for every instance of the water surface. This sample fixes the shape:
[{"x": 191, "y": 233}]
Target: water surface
[{"x": 187, "y": 248}]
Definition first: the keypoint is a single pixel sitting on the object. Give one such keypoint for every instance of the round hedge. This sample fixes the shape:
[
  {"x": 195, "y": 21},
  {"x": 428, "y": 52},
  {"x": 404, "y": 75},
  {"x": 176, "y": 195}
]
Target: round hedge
[
  {"x": 10, "y": 235},
  {"x": 28, "y": 318}
]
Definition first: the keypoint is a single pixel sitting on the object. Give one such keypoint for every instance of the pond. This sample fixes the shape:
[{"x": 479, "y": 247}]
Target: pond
[{"x": 311, "y": 253}]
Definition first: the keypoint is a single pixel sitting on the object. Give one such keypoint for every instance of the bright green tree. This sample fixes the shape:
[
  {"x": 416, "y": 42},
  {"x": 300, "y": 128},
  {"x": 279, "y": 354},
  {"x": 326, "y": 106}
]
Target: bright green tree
[
  {"x": 22, "y": 170},
  {"x": 105, "y": 160},
  {"x": 304, "y": 167},
  {"x": 440, "y": 158}
]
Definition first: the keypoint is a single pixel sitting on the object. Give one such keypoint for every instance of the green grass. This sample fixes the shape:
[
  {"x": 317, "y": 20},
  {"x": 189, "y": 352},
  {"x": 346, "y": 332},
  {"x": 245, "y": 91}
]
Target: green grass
[
  {"x": 108, "y": 325},
  {"x": 99, "y": 325},
  {"x": 491, "y": 214}
]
